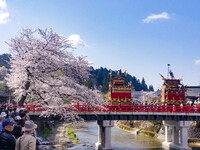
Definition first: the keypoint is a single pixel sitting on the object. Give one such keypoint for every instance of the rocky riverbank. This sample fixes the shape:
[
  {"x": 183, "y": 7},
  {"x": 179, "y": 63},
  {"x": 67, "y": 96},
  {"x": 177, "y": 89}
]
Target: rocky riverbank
[
  {"x": 60, "y": 135},
  {"x": 194, "y": 135},
  {"x": 149, "y": 128}
]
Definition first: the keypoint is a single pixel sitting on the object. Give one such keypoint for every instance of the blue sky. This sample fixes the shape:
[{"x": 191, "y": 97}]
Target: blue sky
[{"x": 140, "y": 36}]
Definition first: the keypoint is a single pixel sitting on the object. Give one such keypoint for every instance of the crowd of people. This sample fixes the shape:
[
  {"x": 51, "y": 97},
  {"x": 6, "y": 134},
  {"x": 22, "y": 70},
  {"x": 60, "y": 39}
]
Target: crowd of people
[
  {"x": 145, "y": 103},
  {"x": 16, "y": 129}
]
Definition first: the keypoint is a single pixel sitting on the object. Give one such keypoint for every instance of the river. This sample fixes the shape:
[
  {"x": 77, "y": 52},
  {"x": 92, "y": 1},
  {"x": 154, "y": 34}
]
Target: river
[{"x": 121, "y": 140}]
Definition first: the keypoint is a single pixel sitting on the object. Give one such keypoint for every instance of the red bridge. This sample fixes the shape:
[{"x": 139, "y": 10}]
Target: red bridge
[
  {"x": 125, "y": 112},
  {"x": 124, "y": 108},
  {"x": 128, "y": 112},
  {"x": 176, "y": 120}
]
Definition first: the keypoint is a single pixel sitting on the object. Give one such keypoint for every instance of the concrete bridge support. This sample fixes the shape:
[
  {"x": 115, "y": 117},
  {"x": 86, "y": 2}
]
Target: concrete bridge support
[
  {"x": 168, "y": 134},
  {"x": 176, "y": 134},
  {"x": 104, "y": 135}
]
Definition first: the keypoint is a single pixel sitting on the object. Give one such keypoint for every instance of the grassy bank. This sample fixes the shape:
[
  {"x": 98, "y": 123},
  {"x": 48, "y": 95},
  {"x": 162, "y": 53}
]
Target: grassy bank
[
  {"x": 45, "y": 132},
  {"x": 72, "y": 135}
]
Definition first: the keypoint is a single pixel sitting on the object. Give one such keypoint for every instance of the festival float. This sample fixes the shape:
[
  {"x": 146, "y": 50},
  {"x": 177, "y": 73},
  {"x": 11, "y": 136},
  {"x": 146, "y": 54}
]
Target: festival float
[
  {"x": 173, "y": 91},
  {"x": 119, "y": 90}
]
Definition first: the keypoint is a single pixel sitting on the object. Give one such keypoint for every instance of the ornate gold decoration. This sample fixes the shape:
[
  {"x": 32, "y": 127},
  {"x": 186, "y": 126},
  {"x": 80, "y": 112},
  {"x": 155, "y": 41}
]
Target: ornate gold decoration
[
  {"x": 110, "y": 73},
  {"x": 125, "y": 73}
]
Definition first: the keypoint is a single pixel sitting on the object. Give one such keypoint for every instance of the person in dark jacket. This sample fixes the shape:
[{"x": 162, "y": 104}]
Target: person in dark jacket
[
  {"x": 1, "y": 122},
  {"x": 7, "y": 140},
  {"x": 17, "y": 131}
]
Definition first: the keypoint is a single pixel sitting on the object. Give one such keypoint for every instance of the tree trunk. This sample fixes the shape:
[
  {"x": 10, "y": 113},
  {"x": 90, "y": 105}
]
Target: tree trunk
[{"x": 23, "y": 97}]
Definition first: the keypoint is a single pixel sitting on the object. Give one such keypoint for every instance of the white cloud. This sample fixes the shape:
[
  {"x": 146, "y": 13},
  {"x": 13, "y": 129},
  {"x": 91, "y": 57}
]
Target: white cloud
[
  {"x": 3, "y": 4},
  {"x": 153, "y": 17},
  {"x": 197, "y": 62},
  {"x": 76, "y": 41},
  {"x": 4, "y": 17},
  {"x": 4, "y": 14}
]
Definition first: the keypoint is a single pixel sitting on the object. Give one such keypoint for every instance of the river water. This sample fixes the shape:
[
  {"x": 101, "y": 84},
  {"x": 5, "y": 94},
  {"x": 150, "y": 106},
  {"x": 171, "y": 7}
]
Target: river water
[{"x": 121, "y": 140}]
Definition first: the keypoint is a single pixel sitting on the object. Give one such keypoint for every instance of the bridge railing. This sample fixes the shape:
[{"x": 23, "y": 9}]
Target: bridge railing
[
  {"x": 140, "y": 108},
  {"x": 34, "y": 108},
  {"x": 121, "y": 108}
]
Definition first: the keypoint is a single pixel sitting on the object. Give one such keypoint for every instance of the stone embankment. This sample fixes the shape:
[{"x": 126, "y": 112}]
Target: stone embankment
[
  {"x": 59, "y": 138},
  {"x": 151, "y": 129},
  {"x": 56, "y": 135},
  {"x": 194, "y": 135}
]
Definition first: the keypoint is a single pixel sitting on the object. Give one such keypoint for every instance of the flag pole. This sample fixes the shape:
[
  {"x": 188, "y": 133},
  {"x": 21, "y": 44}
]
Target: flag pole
[{"x": 168, "y": 71}]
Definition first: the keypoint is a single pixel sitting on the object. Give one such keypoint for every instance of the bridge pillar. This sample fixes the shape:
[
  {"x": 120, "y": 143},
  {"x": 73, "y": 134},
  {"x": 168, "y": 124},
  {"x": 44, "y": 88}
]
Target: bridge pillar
[
  {"x": 179, "y": 134},
  {"x": 104, "y": 135},
  {"x": 184, "y": 136},
  {"x": 175, "y": 135},
  {"x": 168, "y": 134}
]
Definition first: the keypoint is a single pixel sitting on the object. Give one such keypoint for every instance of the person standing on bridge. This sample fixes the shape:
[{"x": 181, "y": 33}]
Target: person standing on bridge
[{"x": 27, "y": 141}]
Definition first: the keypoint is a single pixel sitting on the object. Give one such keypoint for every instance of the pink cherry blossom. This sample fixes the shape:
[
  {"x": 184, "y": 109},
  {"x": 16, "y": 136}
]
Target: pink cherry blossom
[{"x": 44, "y": 70}]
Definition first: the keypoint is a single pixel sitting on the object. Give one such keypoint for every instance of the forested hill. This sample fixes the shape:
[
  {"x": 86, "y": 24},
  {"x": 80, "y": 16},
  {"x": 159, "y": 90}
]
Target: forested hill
[
  {"x": 4, "y": 60},
  {"x": 99, "y": 77}
]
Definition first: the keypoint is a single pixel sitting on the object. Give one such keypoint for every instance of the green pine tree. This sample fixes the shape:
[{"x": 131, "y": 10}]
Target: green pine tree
[{"x": 144, "y": 86}]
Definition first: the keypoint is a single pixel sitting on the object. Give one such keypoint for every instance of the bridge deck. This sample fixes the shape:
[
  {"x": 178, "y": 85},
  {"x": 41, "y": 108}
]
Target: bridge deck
[{"x": 133, "y": 116}]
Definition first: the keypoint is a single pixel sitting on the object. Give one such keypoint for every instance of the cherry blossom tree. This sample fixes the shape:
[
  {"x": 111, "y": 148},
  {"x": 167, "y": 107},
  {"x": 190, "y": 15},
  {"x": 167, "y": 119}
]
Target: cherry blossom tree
[{"x": 44, "y": 70}]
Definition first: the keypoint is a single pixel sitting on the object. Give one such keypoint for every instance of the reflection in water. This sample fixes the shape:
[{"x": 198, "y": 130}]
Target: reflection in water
[{"x": 121, "y": 140}]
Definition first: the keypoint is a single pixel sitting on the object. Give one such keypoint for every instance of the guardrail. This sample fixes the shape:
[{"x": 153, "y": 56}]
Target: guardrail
[
  {"x": 124, "y": 108},
  {"x": 140, "y": 108},
  {"x": 121, "y": 108}
]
